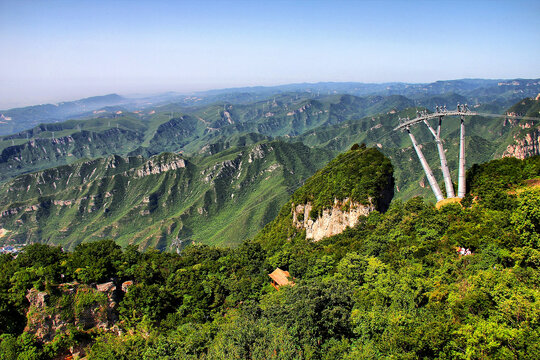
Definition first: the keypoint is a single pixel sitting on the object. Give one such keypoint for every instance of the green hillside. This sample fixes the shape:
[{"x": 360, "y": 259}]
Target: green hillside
[
  {"x": 361, "y": 175},
  {"x": 526, "y": 107},
  {"x": 333, "y": 122},
  {"x": 487, "y": 138},
  {"x": 397, "y": 286},
  {"x": 166, "y": 201},
  {"x": 214, "y": 135},
  {"x": 150, "y": 133}
]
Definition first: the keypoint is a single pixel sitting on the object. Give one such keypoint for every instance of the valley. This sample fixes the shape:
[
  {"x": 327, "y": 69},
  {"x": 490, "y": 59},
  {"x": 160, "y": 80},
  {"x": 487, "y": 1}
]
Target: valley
[{"x": 166, "y": 201}]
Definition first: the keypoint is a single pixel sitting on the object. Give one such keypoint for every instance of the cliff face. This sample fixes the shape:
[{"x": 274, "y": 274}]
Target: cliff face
[
  {"x": 527, "y": 137},
  {"x": 524, "y": 146},
  {"x": 332, "y": 221}
]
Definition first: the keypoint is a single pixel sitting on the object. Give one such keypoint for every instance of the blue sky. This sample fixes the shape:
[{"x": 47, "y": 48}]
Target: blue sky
[{"x": 63, "y": 50}]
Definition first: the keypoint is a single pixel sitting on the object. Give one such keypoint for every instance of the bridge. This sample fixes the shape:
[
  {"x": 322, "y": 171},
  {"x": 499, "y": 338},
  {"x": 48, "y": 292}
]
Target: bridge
[{"x": 441, "y": 112}]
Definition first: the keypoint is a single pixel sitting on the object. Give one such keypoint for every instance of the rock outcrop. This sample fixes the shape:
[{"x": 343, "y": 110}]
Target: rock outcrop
[
  {"x": 158, "y": 165},
  {"x": 86, "y": 307},
  {"x": 332, "y": 221},
  {"x": 348, "y": 188},
  {"x": 42, "y": 323},
  {"x": 524, "y": 146}
]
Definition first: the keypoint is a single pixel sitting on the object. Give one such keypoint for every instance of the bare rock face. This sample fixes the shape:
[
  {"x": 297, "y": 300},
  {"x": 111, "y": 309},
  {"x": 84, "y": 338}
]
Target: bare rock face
[
  {"x": 106, "y": 287},
  {"x": 153, "y": 167},
  {"x": 41, "y": 322},
  {"x": 126, "y": 285},
  {"x": 332, "y": 221},
  {"x": 39, "y": 299},
  {"x": 526, "y": 146}
]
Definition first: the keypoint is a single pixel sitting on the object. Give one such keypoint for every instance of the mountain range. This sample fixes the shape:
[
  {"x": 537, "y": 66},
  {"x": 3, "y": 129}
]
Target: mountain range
[
  {"x": 170, "y": 175},
  {"x": 499, "y": 93},
  {"x": 166, "y": 201}
]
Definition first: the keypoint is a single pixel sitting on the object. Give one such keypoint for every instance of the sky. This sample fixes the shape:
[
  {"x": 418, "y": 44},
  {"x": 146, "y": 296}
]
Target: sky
[{"x": 65, "y": 50}]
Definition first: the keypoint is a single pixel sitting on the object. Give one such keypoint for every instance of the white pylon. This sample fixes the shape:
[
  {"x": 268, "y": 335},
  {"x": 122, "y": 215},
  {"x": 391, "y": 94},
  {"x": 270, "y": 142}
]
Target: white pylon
[
  {"x": 461, "y": 174},
  {"x": 444, "y": 164},
  {"x": 427, "y": 169}
]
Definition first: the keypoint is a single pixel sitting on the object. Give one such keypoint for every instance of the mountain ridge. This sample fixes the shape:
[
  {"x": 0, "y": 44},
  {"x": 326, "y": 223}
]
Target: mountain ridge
[
  {"x": 169, "y": 194},
  {"x": 505, "y": 92}
]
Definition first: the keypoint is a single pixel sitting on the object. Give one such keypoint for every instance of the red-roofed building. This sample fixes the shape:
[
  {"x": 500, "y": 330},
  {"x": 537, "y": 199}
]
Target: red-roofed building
[{"x": 280, "y": 278}]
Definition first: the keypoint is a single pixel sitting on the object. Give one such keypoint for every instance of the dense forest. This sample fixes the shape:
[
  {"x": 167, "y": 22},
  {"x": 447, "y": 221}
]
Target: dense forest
[{"x": 397, "y": 285}]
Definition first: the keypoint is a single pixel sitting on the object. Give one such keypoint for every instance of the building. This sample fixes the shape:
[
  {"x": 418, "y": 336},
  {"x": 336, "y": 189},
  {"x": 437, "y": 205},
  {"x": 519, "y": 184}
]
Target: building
[{"x": 280, "y": 278}]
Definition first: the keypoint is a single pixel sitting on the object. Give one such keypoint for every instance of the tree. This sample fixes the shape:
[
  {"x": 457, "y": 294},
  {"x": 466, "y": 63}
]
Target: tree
[
  {"x": 245, "y": 338},
  {"x": 97, "y": 261},
  {"x": 314, "y": 311},
  {"x": 526, "y": 218}
]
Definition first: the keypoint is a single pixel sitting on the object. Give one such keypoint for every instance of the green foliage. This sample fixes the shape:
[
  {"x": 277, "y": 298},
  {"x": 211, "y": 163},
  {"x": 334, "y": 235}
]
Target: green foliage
[
  {"x": 491, "y": 181},
  {"x": 63, "y": 342},
  {"x": 362, "y": 175},
  {"x": 24, "y": 347},
  {"x": 126, "y": 347},
  {"x": 9, "y": 348},
  {"x": 86, "y": 298},
  {"x": 314, "y": 312},
  {"x": 96, "y": 261},
  {"x": 526, "y": 107},
  {"x": 146, "y": 302},
  {"x": 40, "y": 255},
  {"x": 393, "y": 286},
  {"x": 246, "y": 338},
  {"x": 526, "y": 218}
]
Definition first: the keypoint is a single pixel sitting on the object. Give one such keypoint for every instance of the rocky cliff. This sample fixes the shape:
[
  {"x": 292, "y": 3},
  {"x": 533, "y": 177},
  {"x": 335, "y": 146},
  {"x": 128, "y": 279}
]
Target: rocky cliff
[
  {"x": 351, "y": 186},
  {"x": 526, "y": 141},
  {"x": 344, "y": 213},
  {"x": 73, "y": 304},
  {"x": 525, "y": 145}
]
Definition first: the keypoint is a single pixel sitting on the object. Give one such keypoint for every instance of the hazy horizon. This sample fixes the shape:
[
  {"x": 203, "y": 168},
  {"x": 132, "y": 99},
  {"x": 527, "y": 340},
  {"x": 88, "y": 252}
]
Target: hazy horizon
[
  {"x": 135, "y": 95},
  {"x": 61, "y": 51}
]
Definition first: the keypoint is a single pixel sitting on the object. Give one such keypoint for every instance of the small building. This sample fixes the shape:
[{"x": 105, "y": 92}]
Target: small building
[{"x": 280, "y": 278}]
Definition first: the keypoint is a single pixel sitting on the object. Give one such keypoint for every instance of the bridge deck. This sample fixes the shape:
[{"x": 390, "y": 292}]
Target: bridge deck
[{"x": 434, "y": 115}]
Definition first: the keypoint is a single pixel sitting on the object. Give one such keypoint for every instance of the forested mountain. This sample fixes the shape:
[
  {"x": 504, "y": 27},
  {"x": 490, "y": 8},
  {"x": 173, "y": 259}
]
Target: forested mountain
[
  {"x": 166, "y": 201},
  {"x": 208, "y": 137},
  {"x": 412, "y": 282},
  {"x": 495, "y": 94},
  {"x": 18, "y": 119}
]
